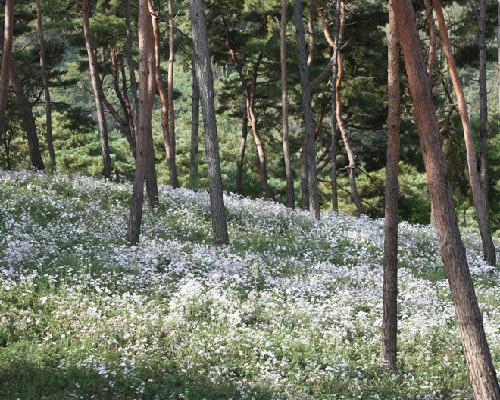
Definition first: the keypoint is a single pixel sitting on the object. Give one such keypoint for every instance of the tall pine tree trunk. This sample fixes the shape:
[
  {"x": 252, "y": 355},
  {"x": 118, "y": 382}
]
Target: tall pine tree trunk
[
  {"x": 195, "y": 117},
  {"x": 483, "y": 109},
  {"x": 45, "y": 84},
  {"x": 469, "y": 319},
  {"x": 475, "y": 182},
  {"x": 333, "y": 119},
  {"x": 96, "y": 88},
  {"x": 144, "y": 139},
  {"x": 309, "y": 147},
  {"x": 165, "y": 124},
  {"x": 388, "y": 349},
  {"x": 170, "y": 89},
  {"x": 205, "y": 80},
  {"x": 8, "y": 39},
  {"x": 290, "y": 192},
  {"x": 130, "y": 61},
  {"x": 27, "y": 119},
  {"x": 241, "y": 155}
]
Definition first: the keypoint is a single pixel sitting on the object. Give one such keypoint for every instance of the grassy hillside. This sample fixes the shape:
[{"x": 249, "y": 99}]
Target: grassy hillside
[{"x": 290, "y": 310}]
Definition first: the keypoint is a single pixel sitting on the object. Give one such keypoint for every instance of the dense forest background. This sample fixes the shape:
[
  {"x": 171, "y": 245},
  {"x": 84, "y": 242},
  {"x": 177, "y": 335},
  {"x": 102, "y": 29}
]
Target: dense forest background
[{"x": 251, "y": 28}]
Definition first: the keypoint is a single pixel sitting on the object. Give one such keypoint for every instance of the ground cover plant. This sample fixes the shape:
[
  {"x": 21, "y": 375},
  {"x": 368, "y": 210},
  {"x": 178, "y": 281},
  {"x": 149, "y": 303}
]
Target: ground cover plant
[{"x": 291, "y": 309}]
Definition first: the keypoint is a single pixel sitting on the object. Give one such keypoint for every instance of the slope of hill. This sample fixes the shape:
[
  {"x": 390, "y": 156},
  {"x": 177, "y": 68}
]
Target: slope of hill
[{"x": 290, "y": 310}]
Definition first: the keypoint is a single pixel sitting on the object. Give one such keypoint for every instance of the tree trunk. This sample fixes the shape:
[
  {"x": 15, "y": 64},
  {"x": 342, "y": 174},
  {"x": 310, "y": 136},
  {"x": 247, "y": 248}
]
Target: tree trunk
[
  {"x": 311, "y": 17},
  {"x": 8, "y": 36},
  {"x": 431, "y": 58},
  {"x": 206, "y": 86},
  {"x": 45, "y": 83},
  {"x": 165, "y": 125},
  {"x": 483, "y": 109},
  {"x": 290, "y": 192},
  {"x": 143, "y": 132},
  {"x": 469, "y": 319},
  {"x": 195, "y": 116},
  {"x": 27, "y": 119},
  {"x": 388, "y": 349},
  {"x": 309, "y": 143},
  {"x": 475, "y": 182},
  {"x": 96, "y": 88},
  {"x": 170, "y": 88},
  {"x": 130, "y": 63},
  {"x": 333, "y": 120},
  {"x": 343, "y": 132},
  {"x": 241, "y": 156}
]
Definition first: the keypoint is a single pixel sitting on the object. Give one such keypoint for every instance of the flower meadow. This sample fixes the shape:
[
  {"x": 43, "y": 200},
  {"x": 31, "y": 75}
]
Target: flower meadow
[{"x": 291, "y": 309}]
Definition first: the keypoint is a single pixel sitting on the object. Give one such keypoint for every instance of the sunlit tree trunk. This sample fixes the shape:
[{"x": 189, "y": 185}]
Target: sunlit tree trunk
[
  {"x": 96, "y": 88},
  {"x": 130, "y": 62},
  {"x": 388, "y": 350},
  {"x": 475, "y": 182},
  {"x": 469, "y": 319},
  {"x": 168, "y": 137},
  {"x": 45, "y": 84},
  {"x": 147, "y": 87},
  {"x": 8, "y": 38},
  {"x": 309, "y": 147},
  {"x": 290, "y": 192},
  {"x": 205, "y": 80}
]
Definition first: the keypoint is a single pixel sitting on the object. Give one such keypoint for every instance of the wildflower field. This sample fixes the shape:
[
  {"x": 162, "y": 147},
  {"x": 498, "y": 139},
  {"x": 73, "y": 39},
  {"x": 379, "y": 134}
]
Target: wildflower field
[{"x": 291, "y": 309}]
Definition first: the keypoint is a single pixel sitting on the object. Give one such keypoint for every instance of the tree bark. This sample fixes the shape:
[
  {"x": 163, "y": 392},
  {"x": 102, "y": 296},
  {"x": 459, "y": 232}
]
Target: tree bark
[
  {"x": 333, "y": 118},
  {"x": 206, "y": 86},
  {"x": 431, "y": 58},
  {"x": 388, "y": 350},
  {"x": 311, "y": 17},
  {"x": 96, "y": 88},
  {"x": 8, "y": 39},
  {"x": 143, "y": 132},
  {"x": 168, "y": 138},
  {"x": 170, "y": 88},
  {"x": 130, "y": 62},
  {"x": 340, "y": 121},
  {"x": 27, "y": 119},
  {"x": 45, "y": 84},
  {"x": 195, "y": 116},
  {"x": 475, "y": 182},
  {"x": 469, "y": 319},
  {"x": 290, "y": 192},
  {"x": 483, "y": 108},
  {"x": 309, "y": 143},
  {"x": 241, "y": 155}
]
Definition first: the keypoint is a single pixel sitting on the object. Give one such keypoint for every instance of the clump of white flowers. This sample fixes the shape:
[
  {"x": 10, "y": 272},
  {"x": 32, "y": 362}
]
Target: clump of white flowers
[{"x": 291, "y": 309}]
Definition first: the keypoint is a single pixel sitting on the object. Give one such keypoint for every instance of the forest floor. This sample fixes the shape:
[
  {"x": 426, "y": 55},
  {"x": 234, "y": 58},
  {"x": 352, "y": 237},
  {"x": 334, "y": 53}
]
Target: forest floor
[{"x": 291, "y": 309}]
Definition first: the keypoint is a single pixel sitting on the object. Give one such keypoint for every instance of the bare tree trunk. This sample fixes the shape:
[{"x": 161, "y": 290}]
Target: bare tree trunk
[
  {"x": 309, "y": 143},
  {"x": 147, "y": 89},
  {"x": 483, "y": 109},
  {"x": 45, "y": 83},
  {"x": 195, "y": 116},
  {"x": 388, "y": 349},
  {"x": 27, "y": 119},
  {"x": 170, "y": 88},
  {"x": 475, "y": 182},
  {"x": 333, "y": 120},
  {"x": 206, "y": 86},
  {"x": 241, "y": 155},
  {"x": 96, "y": 88},
  {"x": 290, "y": 192},
  {"x": 130, "y": 63},
  {"x": 8, "y": 39},
  {"x": 469, "y": 319},
  {"x": 165, "y": 125}
]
